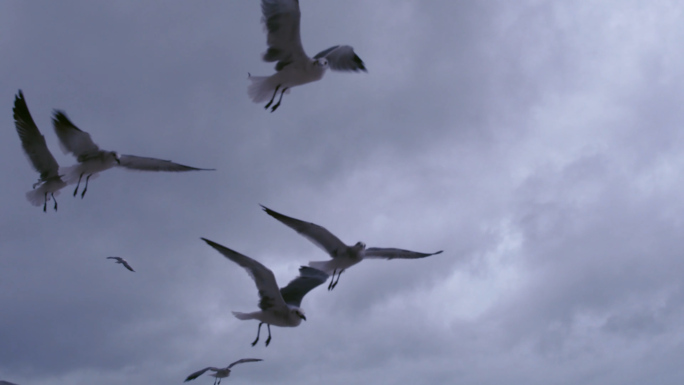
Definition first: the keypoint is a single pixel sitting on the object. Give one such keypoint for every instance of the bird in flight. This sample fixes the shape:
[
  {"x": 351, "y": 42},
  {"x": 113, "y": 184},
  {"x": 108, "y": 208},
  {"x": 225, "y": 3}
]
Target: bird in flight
[
  {"x": 220, "y": 373},
  {"x": 279, "y": 307},
  {"x": 293, "y": 67},
  {"x": 343, "y": 256},
  {"x": 123, "y": 262},
  {"x": 92, "y": 160},
  {"x": 33, "y": 142}
]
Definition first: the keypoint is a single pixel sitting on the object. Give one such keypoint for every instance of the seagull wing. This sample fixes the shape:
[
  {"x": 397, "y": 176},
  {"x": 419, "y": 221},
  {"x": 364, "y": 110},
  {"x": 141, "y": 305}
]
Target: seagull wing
[
  {"x": 308, "y": 279},
  {"x": 342, "y": 58},
  {"x": 281, "y": 21},
  {"x": 72, "y": 139},
  {"x": 126, "y": 265},
  {"x": 117, "y": 258},
  {"x": 311, "y": 231},
  {"x": 263, "y": 277},
  {"x": 390, "y": 253},
  {"x": 33, "y": 141},
  {"x": 151, "y": 164},
  {"x": 241, "y": 361},
  {"x": 199, "y": 373}
]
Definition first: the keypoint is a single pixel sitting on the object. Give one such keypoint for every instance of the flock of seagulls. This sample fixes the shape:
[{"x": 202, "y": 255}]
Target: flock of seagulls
[{"x": 277, "y": 306}]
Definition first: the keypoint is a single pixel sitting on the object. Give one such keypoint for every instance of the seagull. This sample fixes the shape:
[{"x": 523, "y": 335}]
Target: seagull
[
  {"x": 343, "y": 256},
  {"x": 278, "y": 307},
  {"x": 220, "y": 372},
  {"x": 123, "y": 262},
  {"x": 36, "y": 150},
  {"x": 294, "y": 67},
  {"x": 92, "y": 160}
]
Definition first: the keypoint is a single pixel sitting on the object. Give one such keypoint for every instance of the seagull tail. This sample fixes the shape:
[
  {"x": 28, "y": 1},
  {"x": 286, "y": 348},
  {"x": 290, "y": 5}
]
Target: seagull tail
[
  {"x": 261, "y": 89},
  {"x": 37, "y": 197},
  {"x": 242, "y": 316}
]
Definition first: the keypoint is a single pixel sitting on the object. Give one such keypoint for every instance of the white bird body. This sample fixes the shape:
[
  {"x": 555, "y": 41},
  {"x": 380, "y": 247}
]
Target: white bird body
[
  {"x": 294, "y": 67},
  {"x": 35, "y": 148},
  {"x": 262, "y": 87},
  {"x": 279, "y": 307},
  {"x": 342, "y": 256},
  {"x": 288, "y": 318}
]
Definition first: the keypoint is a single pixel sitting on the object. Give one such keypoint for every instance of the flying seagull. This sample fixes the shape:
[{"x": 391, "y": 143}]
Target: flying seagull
[
  {"x": 33, "y": 142},
  {"x": 294, "y": 67},
  {"x": 220, "y": 372},
  {"x": 343, "y": 256},
  {"x": 279, "y": 307},
  {"x": 123, "y": 262},
  {"x": 92, "y": 160}
]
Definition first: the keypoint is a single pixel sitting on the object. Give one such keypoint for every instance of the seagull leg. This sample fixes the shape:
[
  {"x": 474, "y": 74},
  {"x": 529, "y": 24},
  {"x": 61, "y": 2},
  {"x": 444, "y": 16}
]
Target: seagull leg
[
  {"x": 279, "y": 100},
  {"x": 53, "y": 198},
  {"x": 332, "y": 279},
  {"x": 45, "y": 204},
  {"x": 272, "y": 97},
  {"x": 338, "y": 279},
  {"x": 86, "y": 186},
  {"x": 268, "y": 340},
  {"x": 258, "y": 332},
  {"x": 78, "y": 184}
]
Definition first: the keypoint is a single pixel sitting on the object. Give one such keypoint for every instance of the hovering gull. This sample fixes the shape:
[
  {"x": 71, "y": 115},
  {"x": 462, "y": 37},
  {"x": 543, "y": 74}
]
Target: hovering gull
[
  {"x": 92, "y": 160},
  {"x": 36, "y": 150},
  {"x": 123, "y": 262},
  {"x": 220, "y": 372},
  {"x": 294, "y": 67},
  {"x": 343, "y": 256},
  {"x": 278, "y": 307}
]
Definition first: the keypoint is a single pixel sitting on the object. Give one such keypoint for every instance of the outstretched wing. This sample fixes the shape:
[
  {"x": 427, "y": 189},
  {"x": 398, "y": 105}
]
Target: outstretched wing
[
  {"x": 342, "y": 58},
  {"x": 33, "y": 141},
  {"x": 281, "y": 21},
  {"x": 241, "y": 361},
  {"x": 126, "y": 265},
  {"x": 308, "y": 279},
  {"x": 311, "y": 231},
  {"x": 199, "y": 373},
  {"x": 151, "y": 164},
  {"x": 263, "y": 277},
  {"x": 72, "y": 139},
  {"x": 391, "y": 253}
]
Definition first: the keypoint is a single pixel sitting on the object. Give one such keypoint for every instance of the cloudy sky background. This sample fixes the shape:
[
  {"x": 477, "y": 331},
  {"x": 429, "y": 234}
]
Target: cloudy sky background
[{"x": 538, "y": 143}]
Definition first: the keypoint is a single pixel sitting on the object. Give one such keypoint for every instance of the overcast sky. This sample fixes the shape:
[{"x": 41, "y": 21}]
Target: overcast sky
[{"x": 538, "y": 143}]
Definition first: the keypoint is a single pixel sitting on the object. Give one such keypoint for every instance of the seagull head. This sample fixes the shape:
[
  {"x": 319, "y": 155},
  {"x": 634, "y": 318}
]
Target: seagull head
[
  {"x": 359, "y": 246},
  {"x": 322, "y": 62}
]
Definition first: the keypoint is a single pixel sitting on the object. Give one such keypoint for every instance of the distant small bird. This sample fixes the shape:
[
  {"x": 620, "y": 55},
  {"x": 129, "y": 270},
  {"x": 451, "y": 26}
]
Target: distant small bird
[
  {"x": 123, "y": 262},
  {"x": 92, "y": 160},
  {"x": 278, "y": 307},
  {"x": 294, "y": 67},
  {"x": 220, "y": 372},
  {"x": 343, "y": 256},
  {"x": 41, "y": 158}
]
